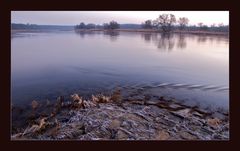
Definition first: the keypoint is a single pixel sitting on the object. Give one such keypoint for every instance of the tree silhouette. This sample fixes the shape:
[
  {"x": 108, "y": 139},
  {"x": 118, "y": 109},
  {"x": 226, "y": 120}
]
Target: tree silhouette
[{"x": 165, "y": 22}]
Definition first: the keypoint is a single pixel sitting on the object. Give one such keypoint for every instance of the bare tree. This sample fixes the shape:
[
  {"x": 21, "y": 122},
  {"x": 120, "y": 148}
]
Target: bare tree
[
  {"x": 147, "y": 24},
  {"x": 183, "y": 22},
  {"x": 165, "y": 22}
]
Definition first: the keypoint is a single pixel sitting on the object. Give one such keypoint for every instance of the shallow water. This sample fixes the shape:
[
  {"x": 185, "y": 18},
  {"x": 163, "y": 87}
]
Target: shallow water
[{"x": 193, "y": 68}]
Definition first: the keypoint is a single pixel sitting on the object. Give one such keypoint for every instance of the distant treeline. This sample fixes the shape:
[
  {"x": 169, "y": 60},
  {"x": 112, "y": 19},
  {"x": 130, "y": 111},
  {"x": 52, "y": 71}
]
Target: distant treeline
[
  {"x": 146, "y": 25},
  {"x": 206, "y": 28},
  {"x": 110, "y": 25},
  {"x": 164, "y": 23},
  {"x": 15, "y": 26}
]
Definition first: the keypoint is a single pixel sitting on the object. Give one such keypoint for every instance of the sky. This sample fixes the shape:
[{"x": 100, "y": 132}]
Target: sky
[{"x": 122, "y": 17}]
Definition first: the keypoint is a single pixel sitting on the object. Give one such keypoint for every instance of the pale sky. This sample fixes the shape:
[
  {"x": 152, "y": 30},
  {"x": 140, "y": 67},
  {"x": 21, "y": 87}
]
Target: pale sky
[{"x": 122, "y": 17}]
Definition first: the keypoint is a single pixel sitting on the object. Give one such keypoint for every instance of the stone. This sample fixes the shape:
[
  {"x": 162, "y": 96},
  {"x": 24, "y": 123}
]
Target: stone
[
  {"x": 187, "y": 136},
  {"x": 175, "y": 106},
  {"x": 197, "y": 114},
  {"x": 140, "y": 102},
  {"x": 121, "y": 135},
  {"x": 213, "y": 122},
  {"x": 115, "y": 124},
  {"x": 162, "y": 135},
  {"x": 149, "y": 102},
  {"x": 182, "y": 113}
]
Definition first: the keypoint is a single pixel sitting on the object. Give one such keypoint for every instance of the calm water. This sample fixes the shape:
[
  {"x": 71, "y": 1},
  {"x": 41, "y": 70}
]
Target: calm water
[{"x": 189, "y": 67}]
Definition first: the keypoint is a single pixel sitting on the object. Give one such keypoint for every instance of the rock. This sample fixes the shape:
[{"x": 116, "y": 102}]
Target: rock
[
  {"x": 151, "y": 102},
  {"x": 31, "y": 130},
  {"x": 197, "y": 114},
  {"x": 162, "y": 135},
  {"x": 140, "y": 102},
  {"x": 174, "y": 106},
  {"x": 182, "y": 113},
  {"x": 121, "y": 135},
  {"x": 115, "y": 124},
  {"x": 186, "y": 135},
  {"x": 34, "y": 104},
  {"x": 17, "y": 136},
  {"x": 214, "y": 122}
]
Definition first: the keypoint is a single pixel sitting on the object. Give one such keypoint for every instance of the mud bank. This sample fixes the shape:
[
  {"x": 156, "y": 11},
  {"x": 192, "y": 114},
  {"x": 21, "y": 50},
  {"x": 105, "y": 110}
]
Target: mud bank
[{"x": 119, "y": 118}]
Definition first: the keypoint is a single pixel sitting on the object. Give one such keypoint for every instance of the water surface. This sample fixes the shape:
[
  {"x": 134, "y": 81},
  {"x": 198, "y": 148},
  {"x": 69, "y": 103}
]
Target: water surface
[{"x": 193, "y": 68}]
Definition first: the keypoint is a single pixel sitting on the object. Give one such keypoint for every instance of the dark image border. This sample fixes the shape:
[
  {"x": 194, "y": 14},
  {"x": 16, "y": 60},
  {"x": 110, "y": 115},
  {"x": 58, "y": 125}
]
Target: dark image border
[{"x": 9, "y": 6}]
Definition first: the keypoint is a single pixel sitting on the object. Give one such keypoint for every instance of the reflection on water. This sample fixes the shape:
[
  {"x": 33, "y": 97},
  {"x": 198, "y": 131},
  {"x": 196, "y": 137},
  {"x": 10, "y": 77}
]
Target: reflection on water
[
  {"x": 109, "y": 34},
  {"x": 191, "y": 67},
  {"x": 181, "y": 41},
  {"x": 164, "y": 42},
  {"x": 112, "y": 35}
]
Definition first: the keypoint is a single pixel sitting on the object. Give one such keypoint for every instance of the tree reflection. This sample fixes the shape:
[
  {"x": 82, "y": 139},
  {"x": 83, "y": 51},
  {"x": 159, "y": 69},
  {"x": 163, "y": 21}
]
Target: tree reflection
[
  {"x": 165, "y": 42},
  {"x": 147, "y": 36},
  {"x": 112, "y": 35},
  {"x": 202, "y": 39},
  {"x": 181, "y": 41},
  {"x": 82, "y": 33}
]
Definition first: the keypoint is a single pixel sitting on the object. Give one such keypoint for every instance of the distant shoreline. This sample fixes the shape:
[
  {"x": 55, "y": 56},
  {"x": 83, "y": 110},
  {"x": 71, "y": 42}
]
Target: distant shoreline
[{"x": 127, "y": 30}]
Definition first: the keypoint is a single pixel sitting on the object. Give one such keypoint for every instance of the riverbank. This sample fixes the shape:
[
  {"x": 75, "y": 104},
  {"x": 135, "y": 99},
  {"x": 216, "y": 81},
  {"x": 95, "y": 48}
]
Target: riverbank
[
  {"x": 116, "y": 117},
  {"x": 157, "y": 31},
  {"x": 133, "y": 30}
]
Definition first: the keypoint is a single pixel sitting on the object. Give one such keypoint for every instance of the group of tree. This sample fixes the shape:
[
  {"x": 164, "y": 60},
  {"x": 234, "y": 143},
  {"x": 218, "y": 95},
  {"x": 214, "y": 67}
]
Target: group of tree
[
  {"x": 82, "y": 25},
  {"x": 108, "y": 26},
  {"x": 168, "y": 22},
  {"x": 111, "y": 25}
]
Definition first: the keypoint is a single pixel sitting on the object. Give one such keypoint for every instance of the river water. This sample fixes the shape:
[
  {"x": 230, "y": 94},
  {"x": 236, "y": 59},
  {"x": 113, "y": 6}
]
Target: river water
[{"x": 193, "y": 68}]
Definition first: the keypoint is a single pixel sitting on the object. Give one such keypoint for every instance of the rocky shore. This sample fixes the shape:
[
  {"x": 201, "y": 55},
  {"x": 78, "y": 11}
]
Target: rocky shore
[{"x": 115, "y": 117}]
